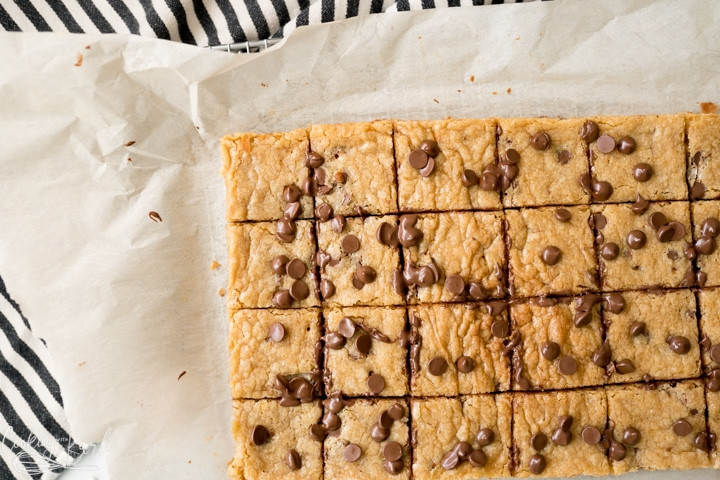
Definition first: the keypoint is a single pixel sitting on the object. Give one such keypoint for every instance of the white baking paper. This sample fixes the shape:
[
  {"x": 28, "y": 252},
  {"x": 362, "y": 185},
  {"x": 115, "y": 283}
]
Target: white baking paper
[{"x": 127, "y": 304}]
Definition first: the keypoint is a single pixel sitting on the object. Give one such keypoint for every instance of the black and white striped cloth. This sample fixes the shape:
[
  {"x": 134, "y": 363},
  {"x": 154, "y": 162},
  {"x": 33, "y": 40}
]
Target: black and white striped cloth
[
  {"x": 199, "y": 22},
  {"x": 33, "y": 428}
]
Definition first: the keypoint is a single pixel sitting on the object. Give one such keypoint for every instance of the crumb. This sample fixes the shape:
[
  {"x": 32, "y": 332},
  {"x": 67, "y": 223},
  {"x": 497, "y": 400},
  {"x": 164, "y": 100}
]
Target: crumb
[
  {"x": 214, "y": 265},
  {"x": 87, "y": 47},
  {"x": 189, "y": 461},
  {"x": 181, "y": 374},
  {"x": 78, "y": 62},
  {"x": 509, "y": 90},
  {"x": 472, "y": 78},
  {"x": 130, "y": 143},
  {"x": 82, "y": 364},
  {"x": 197, "y": 128},
  {"x": 263, "y": 84},
  {"x": 419, "y": 37},
  {"x": 155, "y": 217},
  {"x": 517, "y": 37},
  {"x": 221, "y": 292},
  {"x": 436, "y": 100},
  {"x": 494, "y": 93},
  {"x": 708, "y": 107},
  {"x": 129, "y": 160},
  {"x": 459, "y": 91}
]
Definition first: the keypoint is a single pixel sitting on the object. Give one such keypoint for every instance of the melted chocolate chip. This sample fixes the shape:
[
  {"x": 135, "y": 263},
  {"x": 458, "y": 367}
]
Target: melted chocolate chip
[
  {"x": 640, "y": 205},
  {"x": 540, "y": 141},
  {"x": 538, "y": 441},
  {"x": 679, "y": 344},
  {"x": 537, "y": 464},
  {"x": 601, "y": 190},
  {"x": 430, "y": 147},
  {"x": 408, "y": 235},
  {"x": 469, "y": 178},
  {"x": 313, "y": 160},
  {"x": 631, "y": 435},
  {"x": 697, "y": 191},
  {"x": 624, "y": 366},
  {"x": 715, "y": 353},
  {"x": 710, "y": 227},
  {"x": 455, "y": 284},
  {"x": 564, "y": 157},
  {"x": 614, "y": 302},
  {"x": 512, "y": 156},
  {"x": 378, "y": 433},
  {"x": 387, "y": 235},
  {"x": 485, "y": 437},
  {"x": 327, "y": 289},
  {"x": 561, "y": 437},
  {"x": 428, "y": 169},
  {"x": 291, "y": 194},
  {"x": 637, "y": 328},
  {"x": 567, "y": 365},
  {"x": 550, "y": 350},
  {"x": 293, "y": 460},
  {"x": 323, "y": 212},
  {"x": 285, "y": 230},
  {"x": 602, "y": 356},
  {"x": 363, "y": 276},
  {"x": 589, "y": 131},
  {"x": 279, "y": 264},
  {"x": 292, "y": 210},
  {"x": 282, "y": 299},
  {"x": 338, "y": 223},
  {"x": 705, "y": 245},
  {"x": 682, "y": 428},
  {"x": 642, "y": 172},
  {"x": 563, "y": 215}
]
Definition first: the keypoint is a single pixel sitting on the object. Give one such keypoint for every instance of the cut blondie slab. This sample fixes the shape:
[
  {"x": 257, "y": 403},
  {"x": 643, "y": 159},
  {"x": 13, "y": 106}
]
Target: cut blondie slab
[{"x": 703, "y": 136}]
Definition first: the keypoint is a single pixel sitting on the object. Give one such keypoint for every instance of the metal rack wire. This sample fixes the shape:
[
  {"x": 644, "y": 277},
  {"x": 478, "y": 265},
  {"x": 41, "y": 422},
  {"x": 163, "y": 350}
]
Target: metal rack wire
[{"x": 253, "y": 46}]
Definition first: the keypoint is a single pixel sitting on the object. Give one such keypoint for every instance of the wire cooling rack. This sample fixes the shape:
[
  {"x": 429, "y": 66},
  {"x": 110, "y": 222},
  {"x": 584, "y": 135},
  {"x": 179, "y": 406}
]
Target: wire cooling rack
[{"x": 246, "y": 47}]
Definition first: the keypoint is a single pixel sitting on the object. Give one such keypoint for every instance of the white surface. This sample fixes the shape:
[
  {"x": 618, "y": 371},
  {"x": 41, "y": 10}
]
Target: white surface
[
  {"x": 127, "y": 304},
  {"x": 91, "y": 466}
]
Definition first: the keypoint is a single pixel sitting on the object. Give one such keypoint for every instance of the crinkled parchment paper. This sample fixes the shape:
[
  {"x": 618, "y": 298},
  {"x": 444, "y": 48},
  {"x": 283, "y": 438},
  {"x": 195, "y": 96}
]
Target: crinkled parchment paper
[{"x": 99, "y": 131}]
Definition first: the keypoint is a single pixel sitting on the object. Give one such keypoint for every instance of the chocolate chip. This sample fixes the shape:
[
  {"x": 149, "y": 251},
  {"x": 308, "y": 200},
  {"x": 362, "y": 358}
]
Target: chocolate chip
[
  {"x": 512, "y": 156},
  {"x": 488, "y": 181},
  {"x": 705, "y": 245},
  {"x": 624, "y": 366},
  {"x": 340, "y": 177},
  {"x": 626, "y": 145},
  {"x": 450, "y": 460},
  {"x": 363, "y": 343},
  {"x": 642, "y": 172},
  {"x": 567, "y": 365},
  {"x": 500, "y": 328},
  {"x": 327, "y": 288},
  {"x": 551, "y": 255},
  {"x": 591, "y": 435},
  {"x": 697, "y": 190},
  {"x": 701, "y": 441},
  {"x": 601, "y": 190},
  {"x": 299, "y": 290},
  {"x": 616, "y": 451},
  {"x": 657, "y": 220},
  {"x": 430, "y": 147},
  {"x": 477, "y": 458},
  {"x": 350, "y": 244},
  {"x": 352, "y": 453},
  {"x": 338, "y": 223},
  {"x": 635, "y": 239},
  {"x": 334, "y": 341},
  {"x": 681, "y": 428},
  {"x": 605, "y": 144},
  {"x": 580, "y": 319},
  {"x": 469, "y": 178},
  {"x": 665, "y": 233},
  {"x": 565, "y": 422},
  {"x": 540, "y": 141},
  {"x": 392, "y": 451},
  {"x": 537, "y": 464},
  {"x": 715, "y": 353},
  {"x": 376, "y": 383},
  {"x": 418, "y": 159},
  {"x": 614, "y": 302},
  {"x": 378, "y": 433},
  {"x": 710, "y": 227},
  {"x": 631, "y": 435},
  {"x": 550, "y": 350},
  {"x": 293, "y": 460},
  {"x": 564, "y": 157},
  {"x": 393, "y": 467},
  {"x": 347, "y": 327},
  {"x": 291, "y": 194},
  {"x": 386, "y": 234},
  {"x": 679, "y": 344},
  {"x": 637, "y": 328},
  {"x": 679, "y": 230},
  {"x": 319, "y": 176},
  {"x": 509, "y": 170},
  {"x": 455, "y": 284},
  {"x": 563, "y": 215},
  {"x": 317, "y": 432},
  {"x": 296, "y": 269},
  {"x": 713, "y": 384},
  {"x": 640, "y": 205},
  {"x": 323, "y": 212},
  {"x": 437, "y": 366},
  {"x": 313, "y": 160},
  {"x": 589, "y": 131},
  {"x": 279, "y": 264},
  {"x": 282, "y": 299},
  {"x": 292, "y": 210},
  {"x": 309, "y": 186},
  {"x": 538, "y": 441},
  {"x": 476, "y": 291},
  {"x": 610, "y": 251},
  {"x": 331, "y": 421},
  {"x": 428, "y": 169},
  {"x": 465, "y": 364},
  {"x": 259, "y": 435},
  {"x": 561, "y": 437},
  {"x": 485, "y": 437},
  {"x": 365, "y": 275},
  {"x": 285, "y": 230},
  {"x": 276, "y": 332},
  {"x": 463, "y": 449},
  {"x": 602, "y": 356},
  {"x": 408, "y": 235}
]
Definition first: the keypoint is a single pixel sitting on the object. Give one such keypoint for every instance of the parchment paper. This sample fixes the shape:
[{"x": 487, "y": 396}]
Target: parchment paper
[{"x": 126, "y": 304}]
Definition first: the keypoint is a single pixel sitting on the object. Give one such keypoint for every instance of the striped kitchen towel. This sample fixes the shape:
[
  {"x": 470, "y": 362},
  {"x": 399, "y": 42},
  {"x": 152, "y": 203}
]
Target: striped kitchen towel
[
  {"x": 199, "y": 22},
  {"x": 33, "y": 428}
]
